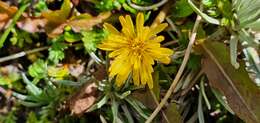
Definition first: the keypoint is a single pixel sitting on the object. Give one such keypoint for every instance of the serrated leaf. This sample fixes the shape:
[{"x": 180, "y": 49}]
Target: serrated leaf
[
  {"x": 38, "y": 69},
  {"x": 92, "y": 38},
  {"x": 56, "y": 52},
  {"x": 242, "y": 94}
]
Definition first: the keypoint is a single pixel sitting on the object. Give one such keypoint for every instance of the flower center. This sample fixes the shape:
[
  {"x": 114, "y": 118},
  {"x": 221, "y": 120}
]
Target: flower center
[{"x": 136, "y": 45}]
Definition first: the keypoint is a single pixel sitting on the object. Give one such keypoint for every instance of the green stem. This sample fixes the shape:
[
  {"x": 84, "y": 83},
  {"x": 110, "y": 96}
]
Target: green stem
[{"x": 8, "y": 30}]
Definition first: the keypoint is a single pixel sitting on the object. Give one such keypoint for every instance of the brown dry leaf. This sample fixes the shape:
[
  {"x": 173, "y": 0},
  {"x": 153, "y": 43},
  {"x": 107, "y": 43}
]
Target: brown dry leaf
[
  {"x": 87, "y": 24},
  {"x": 77, "y": 24},
  {"x": 75, "y": 2},
  {"x": 32, "y": 25},
  {"x": 83, "y": 99},
  {"x": 242, "y": 94},
  {"x": 76, "y": 69},
  {"x": 5, "y": 8},
  {"x": 100, "y": 72},
  {"x": 6, "y": 12},
  {"x": 59, "y": 19},
  {"x": 58, "y": 16},
  {"x": 145, "y": 97}
]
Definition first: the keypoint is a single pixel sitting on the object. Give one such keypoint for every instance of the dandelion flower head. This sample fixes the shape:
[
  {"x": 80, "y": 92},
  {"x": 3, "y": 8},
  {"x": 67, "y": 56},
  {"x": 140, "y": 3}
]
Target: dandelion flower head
[{"x": 134, "y": 50}]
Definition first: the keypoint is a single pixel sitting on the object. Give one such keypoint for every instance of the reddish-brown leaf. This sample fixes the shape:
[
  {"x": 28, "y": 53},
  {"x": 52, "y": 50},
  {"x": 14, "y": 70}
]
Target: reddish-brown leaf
[
  {"x": 83, "y": 99},
  {"x": 242, "y": 94},
  {"x": 87, "y": 24},
  {"x": 32, "y": 25},
  {"x": 6, "y": 12}
]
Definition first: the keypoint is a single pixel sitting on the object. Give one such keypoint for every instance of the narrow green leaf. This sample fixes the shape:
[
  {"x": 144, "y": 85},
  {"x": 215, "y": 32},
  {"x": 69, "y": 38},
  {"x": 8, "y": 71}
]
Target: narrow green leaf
[
  {"x": 200, "y": 109},
  {"x": 127, "y": 114},
  {"x": 202, "y": 88},
  {"x": 203, "y": 15},
  {"x": 233, "y": 51},
  {"x": 11, "y": 26},
  {"x": 219, "y": 97},
  {"x": 114, "y": 110}
]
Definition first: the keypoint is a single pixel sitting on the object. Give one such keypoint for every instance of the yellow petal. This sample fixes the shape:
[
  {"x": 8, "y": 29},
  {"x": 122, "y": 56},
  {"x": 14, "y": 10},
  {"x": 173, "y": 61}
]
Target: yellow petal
[
  {"x": 125, "y": 27},
  {"x": 136, "y": 76},
  {"x": 123, "y": 74},
  {"x": 117, "y": 52},
  {"x": 157, "y": 39},
  {"x": 139, "y": 23},
  {"x": 145, "y": 33},
  {"x": 143, "y": 75},
  {"x": 147, "y": 59},
  {"x": 161, "y": 54},
  {"x": 130, "y": 25},
  {"x": 165, "y": 60},
  {"x": 119, "y": 63},
  {"x": 111, "y": 29},
  {"x": 157, "y": 29},
  {"x": 109, "y": 46}
]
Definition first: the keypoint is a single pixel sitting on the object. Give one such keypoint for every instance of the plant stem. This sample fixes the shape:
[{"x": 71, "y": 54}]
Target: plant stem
[
  {"x": 21, "y": 54},
  {"x": 8, "y": 30},
  {"x": 179, "y": 73},
  {"x": 157, "y": 103},
  {"x": 145, "y": 8}
]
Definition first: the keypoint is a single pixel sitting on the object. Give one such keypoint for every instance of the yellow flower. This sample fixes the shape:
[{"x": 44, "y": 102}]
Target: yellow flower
[{"x": 134, "y": 50}]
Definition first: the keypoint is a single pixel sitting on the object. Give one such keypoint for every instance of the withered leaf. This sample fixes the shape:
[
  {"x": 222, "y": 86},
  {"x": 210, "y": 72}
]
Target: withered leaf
[
  {"x": 58, "y": 16},
  {"x": 100, "y": 72},
  {"x": 78, "y": 23},
  {"x": 6, "y": 12},
  {"x": 32, "y": 25},
  {"x": 76, "y": 69},
  {"x": 86, "y": 24},
  {"x": 242, "y": 94},
  {"x": 83, "y": 99},
  {"x": 5, "y": 8}
]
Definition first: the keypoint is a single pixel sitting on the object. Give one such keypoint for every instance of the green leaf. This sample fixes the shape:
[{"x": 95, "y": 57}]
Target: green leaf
[
  {"x": 219, "y": 97},
  {"x": 200, "y": 109},
  {"x": 71, "y": 37},
  {"x": 194, "y": 62},
  {"x": 58, "y": 16},
  {"x": 92, "y": 38},
  {"x": 173, "y": 114},
  {"x": 33, "y": 89},
  {"x": 38, "y": 69},
  {"x": 233, "y": 51},
  {"x": 203, "y": 15},
  {"x": 182, "y": 9},
  {"x": 11, "y": 26},
  {"x": 114, "y": 110},
  {"x": 248, "y": 12},
  {"x": 208, "y": 3},
  {"x": 242, "y": 94},
  {"x": 127, "y": 114},
  {"x": 56, "y": 52},
  {"x": 32, "y": 118},
  {"x": 202, "y": 91},
  {"x": 137, "y": 107},
  {"x": 39, "y": 7}
]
